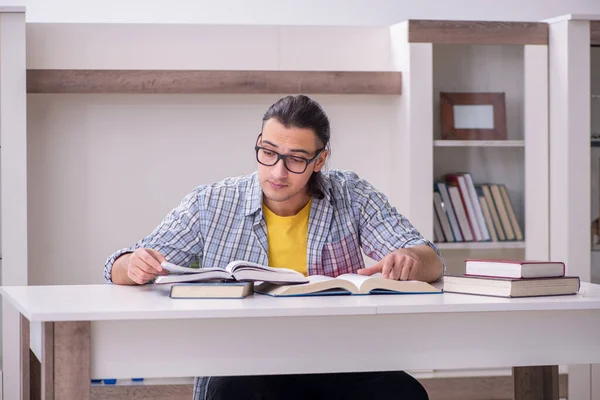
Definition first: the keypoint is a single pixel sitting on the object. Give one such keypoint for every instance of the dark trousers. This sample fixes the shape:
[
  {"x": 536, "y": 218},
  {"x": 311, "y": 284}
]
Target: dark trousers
[{"x": 358, "y": 385}]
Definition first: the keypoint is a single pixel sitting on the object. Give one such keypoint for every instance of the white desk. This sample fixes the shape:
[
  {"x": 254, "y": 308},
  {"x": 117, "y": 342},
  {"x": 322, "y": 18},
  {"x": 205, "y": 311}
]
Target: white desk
[{"x": 109, "y": 331}]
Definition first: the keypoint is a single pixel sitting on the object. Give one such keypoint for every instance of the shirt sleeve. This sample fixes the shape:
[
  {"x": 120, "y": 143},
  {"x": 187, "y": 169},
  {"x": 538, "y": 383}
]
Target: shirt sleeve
[
  {"x": 178, "y": 237},
  {"x": 382, "y": 228}
]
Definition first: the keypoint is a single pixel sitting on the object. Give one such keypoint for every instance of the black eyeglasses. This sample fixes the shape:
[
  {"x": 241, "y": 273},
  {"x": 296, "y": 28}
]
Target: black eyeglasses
[{"x": 294, "y": 164}]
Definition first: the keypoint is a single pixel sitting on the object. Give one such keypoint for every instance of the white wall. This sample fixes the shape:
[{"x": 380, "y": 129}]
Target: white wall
[
  {"x": 105, "y": 169},
  {"x": 292, "y": 12},
  {"x": 595, "y": 155}
]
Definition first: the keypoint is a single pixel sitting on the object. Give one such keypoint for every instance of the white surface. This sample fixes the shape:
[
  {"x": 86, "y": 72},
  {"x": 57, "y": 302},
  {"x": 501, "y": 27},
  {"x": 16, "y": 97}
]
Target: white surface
[
  {"x": 411, "y": 144},
  {"x": 536, "y": 229},
  {"x": 249, "y": 346},
  {"x": 114, "y": 302},
  {"x": 479, "y": 143},
  {"x": 573, "y": 17},
  {"x": 169, "y": 46},
  {"x": 327, "y": 12},
  {"x": 569, "y": 77},
  {"x": 13, "y": 167}
]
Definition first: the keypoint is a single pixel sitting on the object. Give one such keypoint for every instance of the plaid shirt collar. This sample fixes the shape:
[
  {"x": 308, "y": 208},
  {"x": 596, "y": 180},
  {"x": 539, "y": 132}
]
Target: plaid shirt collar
[{"x": 255, "y": 194}]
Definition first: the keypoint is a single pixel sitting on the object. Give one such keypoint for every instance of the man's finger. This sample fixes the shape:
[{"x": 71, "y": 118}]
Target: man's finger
[
  {"x": 149, "y": 259},
  {"x": 373, "y": 269},
  {"x": 405, "y": 273},
  {"x": 388, "y": 264},
  {"x": 395, "y": 271},
  {"x": 133, "y": 276},
  {"x": 156, "y": 255},
  {"x": 144, "y": 266}
]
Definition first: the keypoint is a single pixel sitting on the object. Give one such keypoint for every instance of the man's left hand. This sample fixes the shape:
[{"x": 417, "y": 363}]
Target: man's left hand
[{"x": 402, "y": 264}]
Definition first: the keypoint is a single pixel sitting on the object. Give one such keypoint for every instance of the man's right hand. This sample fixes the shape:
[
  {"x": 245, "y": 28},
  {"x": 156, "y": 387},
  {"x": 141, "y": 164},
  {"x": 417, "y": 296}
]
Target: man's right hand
[
  {"x": 138, "y": 267},
  {"x": 144, "y": 265}
]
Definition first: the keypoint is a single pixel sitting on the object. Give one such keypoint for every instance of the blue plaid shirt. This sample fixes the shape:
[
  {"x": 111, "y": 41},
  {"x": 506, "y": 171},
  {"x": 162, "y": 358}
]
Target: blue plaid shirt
[{"x": 224, "y": 221}]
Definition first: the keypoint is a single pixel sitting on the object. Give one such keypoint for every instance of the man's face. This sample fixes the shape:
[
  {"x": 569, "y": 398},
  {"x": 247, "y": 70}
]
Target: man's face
[{"x": 277, "y": 182}]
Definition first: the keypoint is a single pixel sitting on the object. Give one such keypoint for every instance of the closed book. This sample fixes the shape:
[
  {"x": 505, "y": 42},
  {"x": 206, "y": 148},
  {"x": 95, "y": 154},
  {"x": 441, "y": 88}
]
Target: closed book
[
  {"x": 511, "y": 287},
  {"x": 514, "y": 268},
  {"x": 211, "y": 290}
]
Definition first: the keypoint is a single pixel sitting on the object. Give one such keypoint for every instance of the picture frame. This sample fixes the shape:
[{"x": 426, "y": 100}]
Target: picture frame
[{"x": 473, "y": 116}]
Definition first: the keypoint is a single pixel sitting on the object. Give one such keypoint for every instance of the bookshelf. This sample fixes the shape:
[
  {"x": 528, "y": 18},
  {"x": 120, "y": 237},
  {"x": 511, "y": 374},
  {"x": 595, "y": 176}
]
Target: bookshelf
[
  {"x": 468, "y": 246},
  {"x": 479, "y": 143},
  {"x": 473, "y": 63}
]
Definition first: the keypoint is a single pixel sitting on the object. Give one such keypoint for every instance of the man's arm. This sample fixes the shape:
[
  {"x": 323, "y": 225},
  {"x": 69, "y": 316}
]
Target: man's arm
[
  {"x": 178, "y": 238},
  {"x": 139, "y": 267},
  {"x": 388, "y": 236},
  {"x": 119, "y": 271}
]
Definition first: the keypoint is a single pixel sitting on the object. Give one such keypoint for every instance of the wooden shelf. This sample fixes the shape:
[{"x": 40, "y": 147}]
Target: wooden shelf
[
  {"x": 595, "y": 33},
  {"x": 477, "y": 32},
  {"x": 479, "y": 143},
  {"x": 480, "y": 245},
  {"x": 213, "y": 82}
]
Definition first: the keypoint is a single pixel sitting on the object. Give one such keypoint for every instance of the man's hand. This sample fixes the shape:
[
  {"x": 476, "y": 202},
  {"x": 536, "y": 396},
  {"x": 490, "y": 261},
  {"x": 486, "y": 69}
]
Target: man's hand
[
  {"x": 419, "y": 263},
  {"x": 144, "y": 265},
  {"x": 402, "y": 264},
  {"x": 138, "y": 267}
]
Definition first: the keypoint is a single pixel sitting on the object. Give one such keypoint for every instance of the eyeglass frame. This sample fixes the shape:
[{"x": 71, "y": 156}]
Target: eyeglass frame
[{"x": 284, "y": 157}]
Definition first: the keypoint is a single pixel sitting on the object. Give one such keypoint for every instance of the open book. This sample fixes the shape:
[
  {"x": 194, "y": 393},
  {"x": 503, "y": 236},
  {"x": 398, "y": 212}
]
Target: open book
[
  {"x": 234, "y": 271},
  {"x": 346, "y": 284}
]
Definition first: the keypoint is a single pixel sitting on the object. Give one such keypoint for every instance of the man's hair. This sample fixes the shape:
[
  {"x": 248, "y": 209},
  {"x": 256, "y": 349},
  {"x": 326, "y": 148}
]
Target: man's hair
[{"x": 303, "y": 112}]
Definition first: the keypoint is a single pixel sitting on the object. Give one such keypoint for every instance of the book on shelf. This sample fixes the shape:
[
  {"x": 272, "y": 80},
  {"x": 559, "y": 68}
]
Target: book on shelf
[
  {"x": 511, "y": 287},
  {"x": 514, "y": 268},
  {"x": 346, "y": 284},
  {"x": 447, "y": 215},
  {"x": 234, "y": 271},
  {"x": 469, "y": 212},
  {"x": 210, "y": 290}
]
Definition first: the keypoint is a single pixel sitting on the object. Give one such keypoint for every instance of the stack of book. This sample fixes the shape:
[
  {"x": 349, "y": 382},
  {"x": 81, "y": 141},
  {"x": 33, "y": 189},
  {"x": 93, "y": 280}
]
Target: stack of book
[
  {"x": 466, "y": 212},
  {"x": 510, "y": 278},
  {"x": 240, "y": 279}
]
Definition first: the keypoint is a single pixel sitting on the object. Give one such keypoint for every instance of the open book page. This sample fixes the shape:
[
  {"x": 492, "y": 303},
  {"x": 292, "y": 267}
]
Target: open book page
[
  {"x": 235, "y": 270},
  {"x": 358, "y": 280},
  {"x": 376, "y": 284},
  {"x": 248, "y": 265},
  {"x": 249, "y": 271},
  {"x": 177, "y": 269},
  {"x": 316, "y": 285},
  {"x": 201, "y": 275}
]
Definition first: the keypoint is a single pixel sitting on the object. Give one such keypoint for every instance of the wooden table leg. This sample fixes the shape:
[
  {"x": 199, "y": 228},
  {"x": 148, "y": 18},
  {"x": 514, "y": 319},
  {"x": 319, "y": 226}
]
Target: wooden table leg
[
  {"x": 71, "y": 360},
  {"x": 25, "y": 340},
  {"x": 536, "y": 383},
  {"x": 47, "y": 363}
]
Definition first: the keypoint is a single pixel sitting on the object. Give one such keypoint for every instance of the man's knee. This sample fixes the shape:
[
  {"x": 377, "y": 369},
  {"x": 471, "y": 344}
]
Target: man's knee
[
  {"x": 247, "y": 388},
  {"x": 415, "y": 389},
  {"x": 228, "y": 387}
]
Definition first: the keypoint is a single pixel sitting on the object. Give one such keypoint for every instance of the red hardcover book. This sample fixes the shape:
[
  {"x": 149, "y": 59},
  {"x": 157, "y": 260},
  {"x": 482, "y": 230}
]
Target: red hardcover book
[{"x": 459, "y": 181}]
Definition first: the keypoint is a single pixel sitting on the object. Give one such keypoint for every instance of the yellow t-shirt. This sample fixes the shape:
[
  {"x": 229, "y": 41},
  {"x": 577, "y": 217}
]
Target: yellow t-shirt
[{"x": 288, "y": 237}]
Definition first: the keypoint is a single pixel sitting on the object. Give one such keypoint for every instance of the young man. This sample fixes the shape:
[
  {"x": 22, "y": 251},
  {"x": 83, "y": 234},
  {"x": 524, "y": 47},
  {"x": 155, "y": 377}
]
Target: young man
[{"x": 289, "y": 214}]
